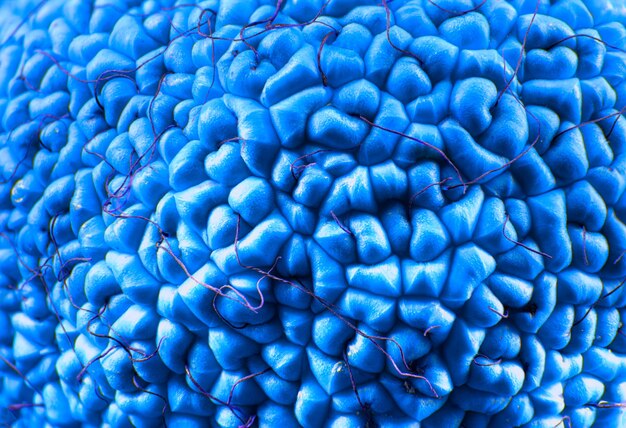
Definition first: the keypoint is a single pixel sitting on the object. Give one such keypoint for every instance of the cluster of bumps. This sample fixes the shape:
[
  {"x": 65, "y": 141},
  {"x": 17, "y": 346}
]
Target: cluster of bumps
[{"x": 342, "y": 213}]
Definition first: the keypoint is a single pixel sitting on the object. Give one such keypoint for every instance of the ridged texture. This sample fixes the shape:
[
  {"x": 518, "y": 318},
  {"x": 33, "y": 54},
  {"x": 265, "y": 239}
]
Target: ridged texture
[{"x": 323, "y": 214}]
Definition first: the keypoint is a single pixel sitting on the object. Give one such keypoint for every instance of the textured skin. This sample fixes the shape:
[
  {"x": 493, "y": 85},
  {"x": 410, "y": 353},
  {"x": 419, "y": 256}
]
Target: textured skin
[{"x": 177, "y": 187}]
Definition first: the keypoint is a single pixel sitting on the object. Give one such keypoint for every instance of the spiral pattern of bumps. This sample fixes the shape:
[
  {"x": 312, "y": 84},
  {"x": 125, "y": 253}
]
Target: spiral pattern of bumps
[{"x": 339, "y": 213}]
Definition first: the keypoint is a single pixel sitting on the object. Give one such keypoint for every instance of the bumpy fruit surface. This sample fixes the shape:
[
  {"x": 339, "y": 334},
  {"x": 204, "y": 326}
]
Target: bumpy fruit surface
[{"x": 321, "y": 213}]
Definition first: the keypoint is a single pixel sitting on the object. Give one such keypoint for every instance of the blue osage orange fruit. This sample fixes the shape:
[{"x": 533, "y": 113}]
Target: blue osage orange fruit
[{"x": 320, "y": 213}]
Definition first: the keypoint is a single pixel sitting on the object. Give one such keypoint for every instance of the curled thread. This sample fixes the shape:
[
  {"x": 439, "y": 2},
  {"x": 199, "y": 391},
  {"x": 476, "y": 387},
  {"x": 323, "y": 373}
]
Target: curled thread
[
  {"x": 236, "y": 411},
  {"x": 137, "y": 385},
  {"x": 242, "y": 380},
  {"x": 19, "y": 373},
  {"x": 340, "y": 224},
  {"x": 526, "y": 247},
  {"x": 491, "y": 361},
  {"x": 319, "y": 56},
  {"x": 19, "y": 406},
  {"x": 385, "y": 4},
  {"x": 422, "y": 142},
  {"x": 429, "y": 329},
  {"x": 586, "y": 36},
  {"x": 562, "y": 422},
  {"x": 24, "y": 20},
  {"x": 425, "y": 189},
  {"x": 617, "y": 115},
  {"x": 521, "y": 54},
  {"x": 366, "y": 407},
  {"x": 620, "y": 257},
  {"x": 620, "y": 285},
  {"x": 606, "y": 405},
  {"x": 458, "y": 12},
  {"x": 504, "y": 315},
  {"x": 293, "y": 168}
]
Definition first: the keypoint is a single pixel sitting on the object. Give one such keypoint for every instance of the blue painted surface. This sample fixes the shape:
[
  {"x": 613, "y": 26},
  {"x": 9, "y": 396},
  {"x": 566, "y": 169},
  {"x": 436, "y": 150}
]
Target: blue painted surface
[{"x": 345, "y": 214}]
